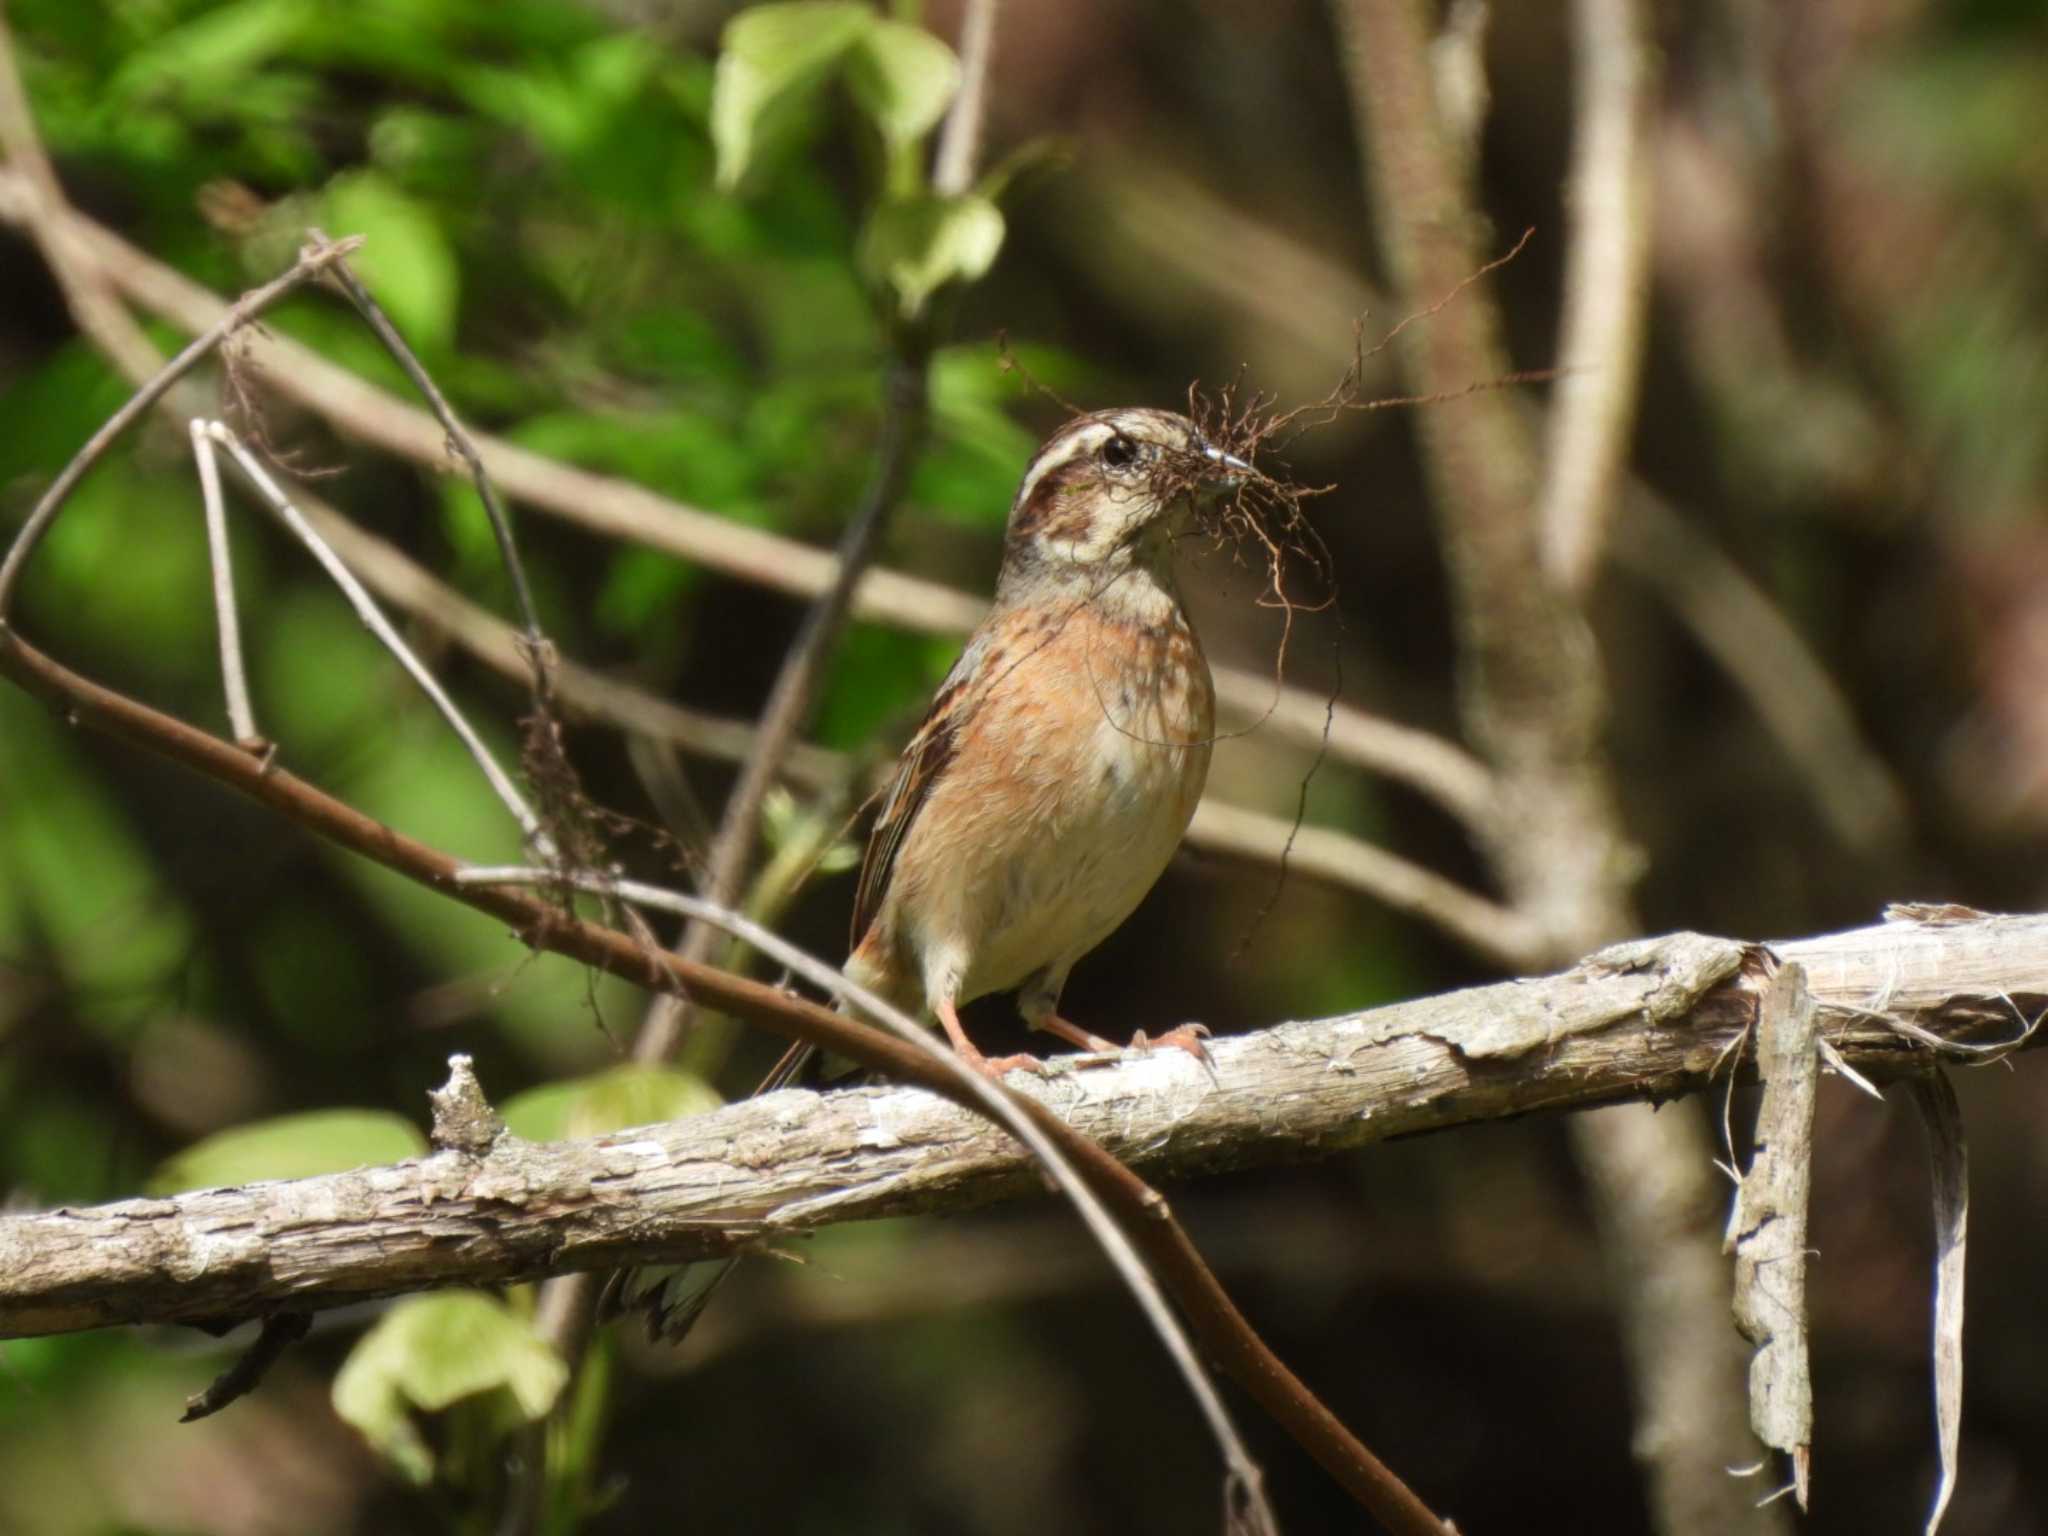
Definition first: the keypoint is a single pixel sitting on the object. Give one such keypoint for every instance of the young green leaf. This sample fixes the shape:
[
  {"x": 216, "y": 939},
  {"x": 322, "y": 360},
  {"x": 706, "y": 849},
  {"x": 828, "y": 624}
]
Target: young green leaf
[
  {"x": 430, "y": 1352},
  {"x": 915, "y": 245},
  {"x": 773, "y": 54},
  {"x": 291, "y": 1147},
  {"x": 903, "y": 77}
]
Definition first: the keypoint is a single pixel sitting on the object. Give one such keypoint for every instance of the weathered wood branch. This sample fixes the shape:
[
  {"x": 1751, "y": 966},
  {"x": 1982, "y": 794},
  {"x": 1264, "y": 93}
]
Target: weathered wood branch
[{"x": 1646, "y": 1020}]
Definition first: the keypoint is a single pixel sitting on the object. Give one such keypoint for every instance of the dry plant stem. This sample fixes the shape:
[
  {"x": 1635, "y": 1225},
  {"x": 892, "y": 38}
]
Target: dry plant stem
[
  {"x": 618, "y": 509},
  {"x": 458, "y": 442},
  {"x": 238, "y": 314},
  {"x": 1534, "y": 702},
  {"x": 1606, "y": 285},
  {"x": 373, "y": 620},
  {"x": 234, "y": 675},
  {"x": 791, "y": 700},
  {"x": 1166, "y": 1247}
]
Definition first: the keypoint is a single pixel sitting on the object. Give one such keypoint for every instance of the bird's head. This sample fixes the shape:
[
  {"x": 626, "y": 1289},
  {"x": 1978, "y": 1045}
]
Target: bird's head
[{"x": 1109, "y": 489}]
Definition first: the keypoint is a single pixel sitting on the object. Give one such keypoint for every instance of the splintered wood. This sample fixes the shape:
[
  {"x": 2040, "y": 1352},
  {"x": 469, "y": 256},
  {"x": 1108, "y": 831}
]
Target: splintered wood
[{"x": 1767, "y": 1229}]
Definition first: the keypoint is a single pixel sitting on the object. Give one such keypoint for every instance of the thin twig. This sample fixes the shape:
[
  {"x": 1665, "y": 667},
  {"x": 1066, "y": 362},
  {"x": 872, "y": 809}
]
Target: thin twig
[
  {"x": 234, "y": 675},
  {"x": 280, "y": 1331},
  {"x": 460, "y": 443},
  {"x": 373, "y": 619},
  {"x": 311, "y": 262}
]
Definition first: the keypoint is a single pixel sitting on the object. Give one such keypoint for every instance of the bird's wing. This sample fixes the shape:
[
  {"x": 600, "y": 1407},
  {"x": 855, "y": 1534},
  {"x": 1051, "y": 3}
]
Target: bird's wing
[{"x": 918, "y": 769}]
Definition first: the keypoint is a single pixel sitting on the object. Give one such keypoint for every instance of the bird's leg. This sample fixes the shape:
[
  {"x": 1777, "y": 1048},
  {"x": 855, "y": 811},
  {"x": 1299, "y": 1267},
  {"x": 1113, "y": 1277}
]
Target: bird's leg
[
  {"x": 949, "y": 1019},
  {"x": 1039, "y": 1003}
]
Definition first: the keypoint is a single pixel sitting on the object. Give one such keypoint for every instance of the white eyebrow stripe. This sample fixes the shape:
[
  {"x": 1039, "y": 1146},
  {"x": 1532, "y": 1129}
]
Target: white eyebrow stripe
[{"x": 1063, "y": 449}]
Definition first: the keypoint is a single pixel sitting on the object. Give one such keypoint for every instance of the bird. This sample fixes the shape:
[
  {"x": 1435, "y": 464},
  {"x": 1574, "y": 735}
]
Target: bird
[
  {"x": 1062, "y": 757},
  {"x": 1054, "y": 774}
]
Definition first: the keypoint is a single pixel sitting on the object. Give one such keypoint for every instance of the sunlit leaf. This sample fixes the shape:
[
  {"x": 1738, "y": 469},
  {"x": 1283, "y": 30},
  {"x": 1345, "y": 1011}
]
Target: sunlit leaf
[
  {"x": 430, "y": 1352},
  {"x": 407, "y": 261},
  {"x": 291, "y": 1147},
  {"x": 903, "y": 77},
  {"x": 915, "y": 245},
  {"x": 773, "y": 54}
]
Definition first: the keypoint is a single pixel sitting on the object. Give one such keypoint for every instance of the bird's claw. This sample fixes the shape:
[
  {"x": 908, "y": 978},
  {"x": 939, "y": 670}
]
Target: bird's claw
[{"x": 1186, "y": 1037}]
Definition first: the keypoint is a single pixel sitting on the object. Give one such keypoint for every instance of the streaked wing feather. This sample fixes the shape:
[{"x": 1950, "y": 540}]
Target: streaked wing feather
[{"x": 916, "y": 772}]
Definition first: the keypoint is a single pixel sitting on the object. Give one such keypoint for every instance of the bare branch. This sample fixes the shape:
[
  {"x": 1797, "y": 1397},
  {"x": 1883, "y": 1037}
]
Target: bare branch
[{"x": 1645, "y": 1020}]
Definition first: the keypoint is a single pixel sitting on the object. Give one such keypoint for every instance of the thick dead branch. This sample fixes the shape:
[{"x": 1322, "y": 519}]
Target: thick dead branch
[{"x": 1646, "y": 1020}]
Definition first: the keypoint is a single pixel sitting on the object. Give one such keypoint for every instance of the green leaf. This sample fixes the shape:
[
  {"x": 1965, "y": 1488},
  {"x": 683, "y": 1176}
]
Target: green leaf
[
  {"x": 915, "y": 245},
  {"x": 612, "y": 1100},
  {"x": 430, "y": 1352},
  {"x": 407, "y": 262},
  {"x": 773, "y": 55},
  {"x": 903, "y": 77},
  {"x": 215, "y": 52},
  {"x": 291, "y": 1147}
]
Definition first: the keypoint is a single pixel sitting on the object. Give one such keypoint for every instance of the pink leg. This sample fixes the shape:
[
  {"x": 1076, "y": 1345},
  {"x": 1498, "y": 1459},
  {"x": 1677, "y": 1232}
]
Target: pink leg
[
  {"x": 1073, "y": 1034},
  {"x": 949, "y": 1019}
]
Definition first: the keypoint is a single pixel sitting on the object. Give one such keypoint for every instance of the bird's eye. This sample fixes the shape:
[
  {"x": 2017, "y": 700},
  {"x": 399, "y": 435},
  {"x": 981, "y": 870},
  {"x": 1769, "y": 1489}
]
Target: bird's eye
[{"x": 1119, "y": 452}]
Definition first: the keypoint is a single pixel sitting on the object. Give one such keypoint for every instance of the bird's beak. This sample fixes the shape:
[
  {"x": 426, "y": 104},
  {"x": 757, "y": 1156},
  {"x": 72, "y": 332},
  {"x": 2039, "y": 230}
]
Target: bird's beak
[{"x": 1230, "y": 468}]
